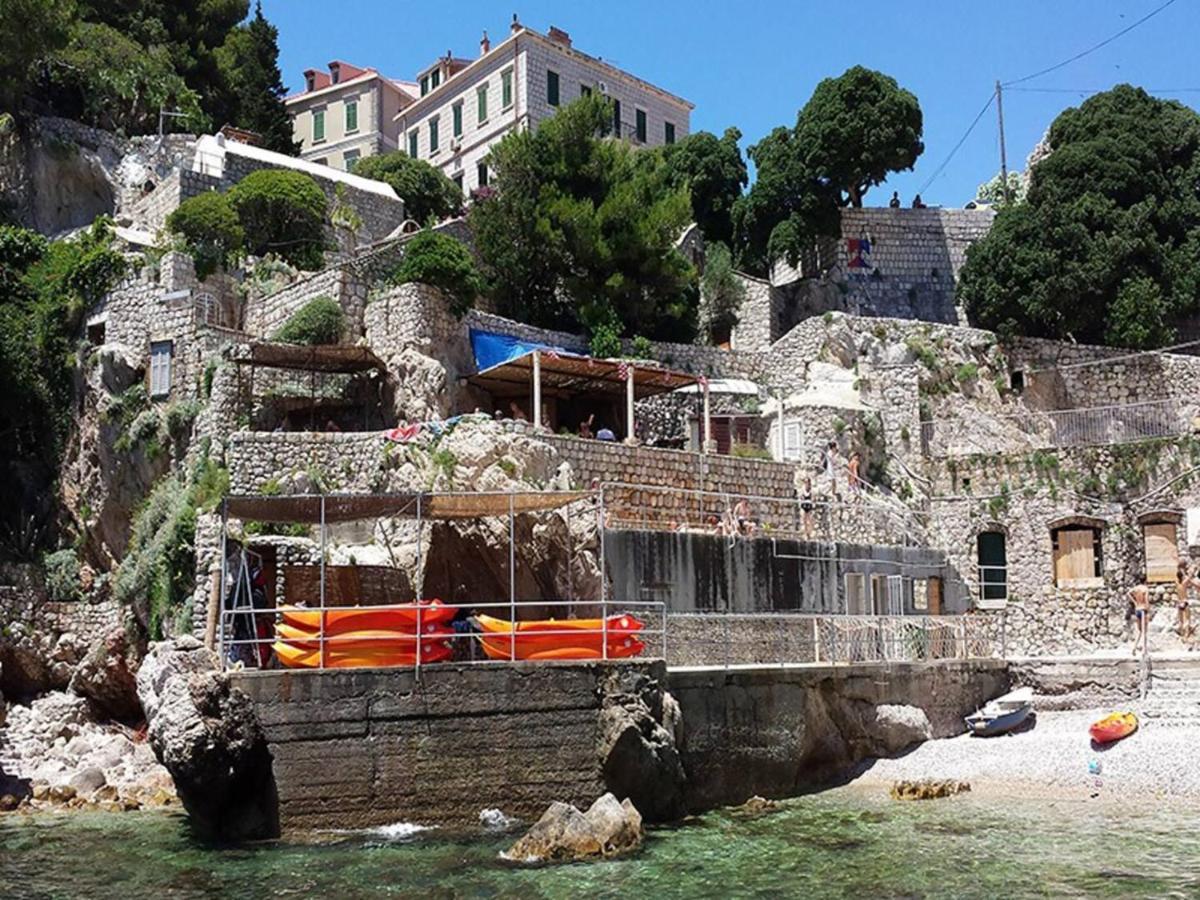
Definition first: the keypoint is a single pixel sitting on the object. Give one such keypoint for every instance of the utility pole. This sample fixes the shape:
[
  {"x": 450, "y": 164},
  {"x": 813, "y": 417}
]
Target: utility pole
[{"x": 1003, "y": 156}]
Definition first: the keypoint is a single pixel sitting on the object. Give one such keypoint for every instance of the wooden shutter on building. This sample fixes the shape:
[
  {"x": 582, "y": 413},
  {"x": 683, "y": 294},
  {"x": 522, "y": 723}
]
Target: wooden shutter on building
[
  {"x": 1162, "y": 552},
  {"x": 1075, "y": 557}
]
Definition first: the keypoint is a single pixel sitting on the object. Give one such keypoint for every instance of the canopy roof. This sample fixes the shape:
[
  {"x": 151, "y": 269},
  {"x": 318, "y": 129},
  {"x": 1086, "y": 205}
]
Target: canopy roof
[
  {"x": 566, "y": 374},
  {"x": 352, "y": 507},
  {"x": 326, "y": 358}
]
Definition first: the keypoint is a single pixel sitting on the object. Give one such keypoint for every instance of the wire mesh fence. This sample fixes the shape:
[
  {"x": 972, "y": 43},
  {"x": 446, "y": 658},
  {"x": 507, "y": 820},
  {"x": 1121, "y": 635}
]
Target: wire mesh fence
[
  {"x": 1041, "y": 430},
  {"x": 783, "y": 639}
]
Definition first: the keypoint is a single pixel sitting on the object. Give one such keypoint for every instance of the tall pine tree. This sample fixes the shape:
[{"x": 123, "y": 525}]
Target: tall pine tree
[{"x": 249, "y": 66}]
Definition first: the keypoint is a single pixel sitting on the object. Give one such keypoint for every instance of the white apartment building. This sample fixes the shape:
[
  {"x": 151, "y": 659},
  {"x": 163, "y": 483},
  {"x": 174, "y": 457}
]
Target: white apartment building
[
  {"x": 467, "y": 106},
  {"x": 458, "y": 108},
  {"x": 346, "y": 113}
]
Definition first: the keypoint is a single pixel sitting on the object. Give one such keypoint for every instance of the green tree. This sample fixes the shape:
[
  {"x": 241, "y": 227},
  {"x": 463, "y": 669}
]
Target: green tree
[
  {"x": 851, "y": 133},
  {"x": 45, "y": 290},
  {"x": 714, "y": 172},
  {"x": 441, "y": 261},
  {"x": 30, "y": 31},
  {"x": 282, "y": 212},
  {"x": 210, "y": 231},
  {"x": 582, "y": 230},
  {"x": 108, "y": 80},
  {"x": 248, "y": 61},
  {"x": 1106, "y": 247},
  {"x": 426, "y": 192},
  {"x": 992, "y": 191},
  {"x": 721, "y": 294}
]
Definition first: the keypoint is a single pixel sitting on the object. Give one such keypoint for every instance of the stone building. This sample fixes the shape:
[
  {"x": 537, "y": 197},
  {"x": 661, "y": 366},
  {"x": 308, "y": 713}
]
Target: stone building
[
  {"x": 346, "y": 113},
  {"x": 459, "y": 108}
]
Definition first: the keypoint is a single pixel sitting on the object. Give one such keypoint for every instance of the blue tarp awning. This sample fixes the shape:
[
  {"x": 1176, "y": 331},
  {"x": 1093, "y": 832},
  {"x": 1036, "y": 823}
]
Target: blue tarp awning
[{"x": 492, "y": 349}]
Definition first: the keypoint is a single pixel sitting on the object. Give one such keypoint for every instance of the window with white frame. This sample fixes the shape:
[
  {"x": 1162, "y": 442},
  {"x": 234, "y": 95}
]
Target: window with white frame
[{"x": 160, "y": 367}]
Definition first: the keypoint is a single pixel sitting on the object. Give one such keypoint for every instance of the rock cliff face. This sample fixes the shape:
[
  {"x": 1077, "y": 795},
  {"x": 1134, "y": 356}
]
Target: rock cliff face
[{"x": 206, "y": 734}]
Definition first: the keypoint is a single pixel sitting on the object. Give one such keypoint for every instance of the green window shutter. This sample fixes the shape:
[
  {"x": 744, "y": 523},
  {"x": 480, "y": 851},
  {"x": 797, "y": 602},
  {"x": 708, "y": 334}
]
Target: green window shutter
[
  {"x": 669, "y": 133},
  {"x": 617, "y": 117},
  {"x": 552, "y": 88},
  {"x": 482, "y": 173},
  {"x": 456, "y": 112},
  {"x": 506, "y": 88},
  {"x": 640, "y": 117},
  {"x": 412, "y": 143},
  {"x": 481, "y": 103},
  {"x": 319, "y": 125},
  {"x": 424, "y": 85},
  {"x": 352, "y": 115},
  {"x": 433, "y": 135}
]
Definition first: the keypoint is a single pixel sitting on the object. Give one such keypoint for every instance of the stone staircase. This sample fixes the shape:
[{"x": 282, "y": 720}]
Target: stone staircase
[{"x": 1174, "y": 695}]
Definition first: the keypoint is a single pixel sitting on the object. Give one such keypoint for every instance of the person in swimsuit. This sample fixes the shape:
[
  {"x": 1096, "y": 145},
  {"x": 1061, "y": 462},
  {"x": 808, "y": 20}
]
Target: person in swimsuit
[
  {"x": 1139, "y": 594},
  {"x": 806, "y": 507},
  {"x": 1183, "y": 583}
]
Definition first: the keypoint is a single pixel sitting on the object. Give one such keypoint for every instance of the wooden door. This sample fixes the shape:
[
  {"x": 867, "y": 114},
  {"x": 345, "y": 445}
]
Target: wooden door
[
  {"x": 1162, "y": 552},
  {"x": 1075, "y": 559},
  {"x": 934, "y": 596}
]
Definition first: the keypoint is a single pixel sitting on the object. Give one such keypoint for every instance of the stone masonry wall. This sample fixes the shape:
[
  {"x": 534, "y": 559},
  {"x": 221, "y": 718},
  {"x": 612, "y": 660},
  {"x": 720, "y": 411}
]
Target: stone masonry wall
[{"x": 346, "y": 462}]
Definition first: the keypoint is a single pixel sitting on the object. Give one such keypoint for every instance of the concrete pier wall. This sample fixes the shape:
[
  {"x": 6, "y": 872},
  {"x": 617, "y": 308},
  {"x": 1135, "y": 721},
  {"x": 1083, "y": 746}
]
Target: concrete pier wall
[
  {"x": 360, "y": 748},
  {"x": 778, "y": 732}
]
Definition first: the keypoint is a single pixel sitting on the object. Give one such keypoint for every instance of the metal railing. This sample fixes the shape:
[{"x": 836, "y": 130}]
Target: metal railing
[
  {"x": 246, "y": 637},
  {"x": 861, "y": 519},
  {"x": 1042, "y": 430},
  {"x": 793, "y": 639}
]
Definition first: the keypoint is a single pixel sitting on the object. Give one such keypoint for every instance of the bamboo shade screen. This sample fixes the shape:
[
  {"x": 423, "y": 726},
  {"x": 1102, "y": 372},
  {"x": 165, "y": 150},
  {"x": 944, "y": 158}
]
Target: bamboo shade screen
[{"x": 1162, "y": 552}]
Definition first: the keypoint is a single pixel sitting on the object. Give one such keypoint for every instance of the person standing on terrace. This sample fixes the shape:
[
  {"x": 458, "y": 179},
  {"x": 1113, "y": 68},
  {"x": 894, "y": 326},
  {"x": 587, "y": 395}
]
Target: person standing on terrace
[
  {"x": 1184, "y": 582},
  {"x": 852, "y": 477}
]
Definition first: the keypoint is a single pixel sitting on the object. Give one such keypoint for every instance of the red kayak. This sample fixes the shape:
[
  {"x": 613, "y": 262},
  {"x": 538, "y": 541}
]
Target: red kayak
[{"x": 1113, "y": 728}]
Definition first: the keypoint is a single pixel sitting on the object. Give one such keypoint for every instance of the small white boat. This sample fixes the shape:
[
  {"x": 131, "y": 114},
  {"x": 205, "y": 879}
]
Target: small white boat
[{"x": 1003, "y": 714}]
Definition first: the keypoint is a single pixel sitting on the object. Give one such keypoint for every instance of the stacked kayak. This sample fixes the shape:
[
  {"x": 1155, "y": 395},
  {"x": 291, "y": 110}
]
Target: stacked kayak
[
  {"x": 561, "y": 638},
  {"x": 1113, "y": 727},
  {"x": 364, "y": 637}
]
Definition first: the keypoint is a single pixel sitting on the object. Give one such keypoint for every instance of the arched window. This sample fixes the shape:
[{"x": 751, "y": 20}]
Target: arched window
[
  {"x": 1078, "y": 552},
  {"x": 992, "y": 555}
]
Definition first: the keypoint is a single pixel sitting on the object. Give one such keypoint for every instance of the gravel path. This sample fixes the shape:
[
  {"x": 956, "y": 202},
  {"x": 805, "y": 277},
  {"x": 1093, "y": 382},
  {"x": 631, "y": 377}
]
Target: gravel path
[{"x": 1052, "y": 758}]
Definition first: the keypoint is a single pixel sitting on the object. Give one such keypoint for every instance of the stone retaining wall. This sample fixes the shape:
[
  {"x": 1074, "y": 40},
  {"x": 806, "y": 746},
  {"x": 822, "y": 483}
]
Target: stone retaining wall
[
  {"x": 362, "y": 748},
  {"x": 343, "y": 462}
]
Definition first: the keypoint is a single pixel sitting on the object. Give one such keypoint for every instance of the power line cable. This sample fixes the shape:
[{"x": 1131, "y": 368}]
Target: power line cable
[
  {"x": 1195, "y": 90},
  {"x": 991, "y": 99},
  {"x": 1066, "y": 62}
]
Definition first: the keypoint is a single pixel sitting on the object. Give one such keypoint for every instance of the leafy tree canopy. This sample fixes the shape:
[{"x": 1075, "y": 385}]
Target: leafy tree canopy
[
  {"x": 1106, "y": 247},
  {"x": 853, "y": 131},
  {"x": 440, "y": 260},
  {"x": 721, "y": 294},
  {"x": 210, "y": 230},
  {"x": 582, "y": 230},
  {"x": 319, "y": 321},
  {"x": 426, "y": 192},
  {"x": 713, "y": 170},
  {"x": 115, "y": 63},
  {"x": 282, "y": 212}
]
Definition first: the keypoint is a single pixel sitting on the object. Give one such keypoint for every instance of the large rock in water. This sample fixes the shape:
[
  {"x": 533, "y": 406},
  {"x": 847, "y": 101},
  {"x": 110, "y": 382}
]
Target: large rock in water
[
  {"x": 206, "y": 734},
  {"x": 105, "y": 677},
  {"x": 564, "y": 834},
  {"x": 898, "y": 727},
  {"x": 637, "y": 744}
]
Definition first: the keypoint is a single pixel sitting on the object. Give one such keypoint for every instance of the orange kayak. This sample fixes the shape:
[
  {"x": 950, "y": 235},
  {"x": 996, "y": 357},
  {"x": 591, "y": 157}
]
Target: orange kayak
[
  {"x": 293, "y": 657},
  {"x": 561, "y": 638},
  {"x": 357, "y": 640},
  {"x": 1113, "y": 728},
  {"x": 342, "y": 620}
]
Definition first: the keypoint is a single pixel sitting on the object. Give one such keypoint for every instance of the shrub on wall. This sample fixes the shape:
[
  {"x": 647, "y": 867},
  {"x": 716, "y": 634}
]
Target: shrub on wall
[
  {"x": 441, "y": 261},
  {"x": 319, "y": 321},
  {"x": 426, "y": 192},
  {"x": 210, "y": 231},
  {"x": 282, "y": 212},
  {"x": 62, "y": 575}
]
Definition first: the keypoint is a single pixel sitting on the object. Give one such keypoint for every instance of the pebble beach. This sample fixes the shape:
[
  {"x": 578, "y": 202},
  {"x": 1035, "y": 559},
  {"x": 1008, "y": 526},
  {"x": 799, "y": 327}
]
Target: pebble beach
[{"x": 1054, "y": 758}]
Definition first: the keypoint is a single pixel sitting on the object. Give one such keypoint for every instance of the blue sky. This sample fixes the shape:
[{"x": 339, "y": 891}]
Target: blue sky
[{"x": 754, "y": 64}]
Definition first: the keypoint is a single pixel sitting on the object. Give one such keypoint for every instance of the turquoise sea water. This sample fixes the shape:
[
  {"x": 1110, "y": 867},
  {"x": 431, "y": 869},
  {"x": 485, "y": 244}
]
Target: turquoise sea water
[{"x": 842, "y": 843}]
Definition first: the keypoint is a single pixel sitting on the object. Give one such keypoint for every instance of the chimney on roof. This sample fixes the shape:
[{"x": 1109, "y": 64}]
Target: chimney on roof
[
  {"x": 559, "y": 36},
  {"x": 516, "y": 25},
  {"x": 484, "y": 44}
]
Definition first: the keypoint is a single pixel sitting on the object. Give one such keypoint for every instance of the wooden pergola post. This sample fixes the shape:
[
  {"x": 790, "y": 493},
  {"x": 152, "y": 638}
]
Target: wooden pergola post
[
  {"x": 536, "y": 412},
  {"x": 630, "y": 435}
]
